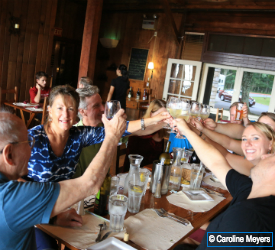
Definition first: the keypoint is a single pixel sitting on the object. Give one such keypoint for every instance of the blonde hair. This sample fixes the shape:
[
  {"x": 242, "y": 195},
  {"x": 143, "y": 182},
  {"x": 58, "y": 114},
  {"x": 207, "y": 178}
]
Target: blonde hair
[
  {"x": 154, "y": 106},
  {"x": 268, "y": 114},
  {"x": 267, "y": 131}
]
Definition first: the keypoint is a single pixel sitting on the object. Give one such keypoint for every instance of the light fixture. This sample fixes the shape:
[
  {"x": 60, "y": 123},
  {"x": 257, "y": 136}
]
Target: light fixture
[
  {"x": 108, "y": 43},
  {"x": 151, "y": 66},
  {"x": 14, "y": 25}
]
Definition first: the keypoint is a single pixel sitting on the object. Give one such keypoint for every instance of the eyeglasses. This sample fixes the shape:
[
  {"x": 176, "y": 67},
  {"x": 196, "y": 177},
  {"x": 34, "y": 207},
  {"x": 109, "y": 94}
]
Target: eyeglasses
[{"x": 30, "y": 140}]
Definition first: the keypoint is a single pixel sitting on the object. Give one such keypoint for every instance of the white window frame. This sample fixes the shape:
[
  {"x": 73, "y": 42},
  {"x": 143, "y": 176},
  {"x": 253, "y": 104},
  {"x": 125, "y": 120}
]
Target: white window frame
[{"x": 168, "y": 73}]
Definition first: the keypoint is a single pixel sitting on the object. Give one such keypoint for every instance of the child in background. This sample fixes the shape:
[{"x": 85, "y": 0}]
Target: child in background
[{"x": 40, "y": 91}]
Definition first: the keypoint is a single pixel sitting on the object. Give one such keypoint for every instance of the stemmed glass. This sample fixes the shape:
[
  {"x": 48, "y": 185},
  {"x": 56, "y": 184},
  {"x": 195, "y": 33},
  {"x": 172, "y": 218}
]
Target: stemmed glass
[
  {"x": 185, "y": 114},
  {"x": 111, "y": 108},
  {"x": 174, "y": 108},
  {"x": 205, "y": 111},
  {"x": 195, "y": 109},
  {"x": 169, "y": 103}
]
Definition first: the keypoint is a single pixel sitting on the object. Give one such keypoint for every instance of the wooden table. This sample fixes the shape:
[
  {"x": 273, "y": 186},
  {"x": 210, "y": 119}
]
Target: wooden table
[
  {"x": 148, "y": 201},
  {"x": 22, "y": 110}
]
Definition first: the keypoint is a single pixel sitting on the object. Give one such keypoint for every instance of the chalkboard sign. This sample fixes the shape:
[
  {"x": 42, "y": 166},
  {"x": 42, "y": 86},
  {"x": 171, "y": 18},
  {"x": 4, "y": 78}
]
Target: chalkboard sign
[{"x": 137, "y": 63}]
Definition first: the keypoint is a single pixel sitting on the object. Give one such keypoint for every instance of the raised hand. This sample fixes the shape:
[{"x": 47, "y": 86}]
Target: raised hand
[
  {"x": 210, "y": 124},
  {"x": 197, "y": 124},
  {"x": 116, "y": 126}
]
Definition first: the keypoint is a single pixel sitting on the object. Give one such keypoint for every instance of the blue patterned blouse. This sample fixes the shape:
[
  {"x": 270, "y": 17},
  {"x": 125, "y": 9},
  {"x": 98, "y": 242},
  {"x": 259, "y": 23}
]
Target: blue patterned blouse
[{"x": 45, "y": 166}]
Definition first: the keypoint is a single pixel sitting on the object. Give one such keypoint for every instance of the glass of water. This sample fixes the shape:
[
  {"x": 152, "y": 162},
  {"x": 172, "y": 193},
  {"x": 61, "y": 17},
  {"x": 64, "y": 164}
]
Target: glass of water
[
  {"x": 114, "y": 185},
  {"x": 117, "y": 211},
  {"x": 135, "y": 191},
  {"x": 197, "y": 171}
]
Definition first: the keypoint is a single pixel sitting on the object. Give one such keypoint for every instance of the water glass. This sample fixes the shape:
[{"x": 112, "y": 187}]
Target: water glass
[
  {"x": 111, "y": 108},
  {"x": 117, "y": 211},
  {"x": 197, "y": 171},
  {"x": 114, "y": 185},
  {"x": 135, "y": 191},
  {"x": 144, "y": 174}
]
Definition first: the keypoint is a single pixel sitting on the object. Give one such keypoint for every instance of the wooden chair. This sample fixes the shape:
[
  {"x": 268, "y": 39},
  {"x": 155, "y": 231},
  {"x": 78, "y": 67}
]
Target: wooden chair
[
  {"x": 8, "y": 91},
  {"x": 219, "y": 114},
  {"x": 121, "y": 150},
  {"x": 45, "y": 110}
]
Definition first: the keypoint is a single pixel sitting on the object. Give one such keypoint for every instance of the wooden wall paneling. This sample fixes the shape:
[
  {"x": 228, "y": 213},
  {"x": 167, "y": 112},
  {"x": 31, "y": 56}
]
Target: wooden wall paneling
[
  {"x": 50, "y": 36},
  {"x": 26, "y": 53},
  {"x": 46, "y": 38},
  {"x": 20, "y": 50},
  {"x": 6, "y": 40},
  {"x": 3, "y": 28},
  {"x": 41, "y": 36}
]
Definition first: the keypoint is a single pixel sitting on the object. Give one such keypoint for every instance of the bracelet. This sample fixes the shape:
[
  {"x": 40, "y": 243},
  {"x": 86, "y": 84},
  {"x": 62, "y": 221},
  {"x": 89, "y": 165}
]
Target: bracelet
[
  {"x": 142, "y": 124},
  {"x": 200, "y": 134}
]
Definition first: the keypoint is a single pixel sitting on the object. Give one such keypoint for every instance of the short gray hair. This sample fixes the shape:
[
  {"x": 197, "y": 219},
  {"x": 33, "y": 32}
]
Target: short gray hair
[
  {"x": 88, "y": 91},
  {"x": 85, "y": 81},
  {"x": 9, "y": 127}
]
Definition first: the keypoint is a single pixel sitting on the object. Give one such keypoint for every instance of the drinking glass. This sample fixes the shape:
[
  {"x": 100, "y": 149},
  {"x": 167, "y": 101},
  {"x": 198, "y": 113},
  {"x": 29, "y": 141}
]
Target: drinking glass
[
  {"x": 168, "y": 105},
  {"x": 135, "y": 191},
  {"x": 239, "y": 112},
  {"x": 144, "y": 177},
  {"x": 117, "y": 211},
  {"x": 114, "y": 185},
  {"x": 185, "y": 114},
  {"x": 197, "y": 171},
  {"x": 205, "y": 111},
  {"x": 111, "y": 108},
  {"x": 195, "y": 109}
]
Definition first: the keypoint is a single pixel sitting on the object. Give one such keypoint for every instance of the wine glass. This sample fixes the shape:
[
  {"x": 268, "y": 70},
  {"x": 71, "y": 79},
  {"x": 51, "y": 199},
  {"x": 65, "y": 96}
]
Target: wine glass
[
  {"x": 111, "y": 108},
  {"x": 195, "y": 109},
  {"x": 185, "y": 114},
  {"x": 205, "y": 111},
  {"x": 168, "y": 107}
]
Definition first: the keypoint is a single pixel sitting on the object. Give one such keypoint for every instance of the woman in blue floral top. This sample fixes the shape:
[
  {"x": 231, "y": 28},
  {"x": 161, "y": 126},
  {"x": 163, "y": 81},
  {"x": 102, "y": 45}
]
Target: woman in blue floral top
[{"x": 58, "y": 143}]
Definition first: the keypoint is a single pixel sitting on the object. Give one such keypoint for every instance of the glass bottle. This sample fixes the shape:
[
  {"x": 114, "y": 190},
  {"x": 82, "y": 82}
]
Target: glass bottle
[
  {"x": 102, "y": 197},
  {"x": 175, "y": 175},
  {"x": 138, "y": 95},
  {"x": 144, "y": 95},
  {"x": 130, "y": 93},
  {"x": 165, "y": 158},
  {"x": 148, "y": 83},
  {"x": 133, "y": 174},
  {"x": 194, "y": 158}
]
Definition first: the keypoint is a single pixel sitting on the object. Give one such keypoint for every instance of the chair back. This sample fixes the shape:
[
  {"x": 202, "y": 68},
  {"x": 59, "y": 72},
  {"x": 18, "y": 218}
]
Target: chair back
[
  {"x": 45, "y": 109},
  {"x": 219, "y": 114},
  {"x": 13, "y": 91}
]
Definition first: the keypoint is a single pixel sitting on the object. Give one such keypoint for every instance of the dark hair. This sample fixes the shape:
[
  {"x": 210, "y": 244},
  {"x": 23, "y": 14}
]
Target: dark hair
[
  {"x": 40, "y": 74},
  {"x": 123, "y": 70}
]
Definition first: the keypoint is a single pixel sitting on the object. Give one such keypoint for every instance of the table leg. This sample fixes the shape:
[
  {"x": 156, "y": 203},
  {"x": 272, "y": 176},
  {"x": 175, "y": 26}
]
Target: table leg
[
  {"x": 22, "y": 116},
  {"x": 30, "y": 120}
]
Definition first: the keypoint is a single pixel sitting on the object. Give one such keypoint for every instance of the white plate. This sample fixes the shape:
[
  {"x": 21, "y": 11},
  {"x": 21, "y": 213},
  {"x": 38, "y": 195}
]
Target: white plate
[
  {"x": 197, "y": 195},
  {"x": 111, "y": 244},
  {"x": 21, "y": 104}
]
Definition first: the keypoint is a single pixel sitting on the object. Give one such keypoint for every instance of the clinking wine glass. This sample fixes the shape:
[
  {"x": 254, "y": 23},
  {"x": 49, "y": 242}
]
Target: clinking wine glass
[
  {"x": 205, "y": 111},
  {"x": 111, "y": 108},
  {"x": 171, "y": 101},
  {"x": 185, "y": 114},
  {"x": 195, "y": 109}
]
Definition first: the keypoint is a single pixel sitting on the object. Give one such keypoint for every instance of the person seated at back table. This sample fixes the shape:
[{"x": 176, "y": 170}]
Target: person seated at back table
[
  {"x": 253, "y": 204},
  {"x": 149, "y": 146},
  {"x": 25, "y": 204},
  {"x": 40, "y": 90}
]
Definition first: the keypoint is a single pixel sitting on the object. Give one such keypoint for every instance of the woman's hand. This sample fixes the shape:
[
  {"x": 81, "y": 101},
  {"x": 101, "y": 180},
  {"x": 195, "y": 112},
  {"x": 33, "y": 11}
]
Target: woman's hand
[
  {"x": 197, "y": 124},
  {"x": 245, "y": 110},
  {"x": 164, "y": 116},
  {"x": 181, "y": 126},
  {"x": 69, "y": 218},
  {"x": 210, "y": 124}
]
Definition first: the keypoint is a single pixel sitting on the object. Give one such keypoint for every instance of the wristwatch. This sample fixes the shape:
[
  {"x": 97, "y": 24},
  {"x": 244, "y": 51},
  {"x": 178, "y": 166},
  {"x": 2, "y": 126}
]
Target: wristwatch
[{"x": 142, "y": 124}]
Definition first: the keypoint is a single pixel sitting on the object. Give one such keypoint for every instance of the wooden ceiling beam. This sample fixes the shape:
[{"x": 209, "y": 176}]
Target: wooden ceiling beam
[{"x": 171, "y": 20}]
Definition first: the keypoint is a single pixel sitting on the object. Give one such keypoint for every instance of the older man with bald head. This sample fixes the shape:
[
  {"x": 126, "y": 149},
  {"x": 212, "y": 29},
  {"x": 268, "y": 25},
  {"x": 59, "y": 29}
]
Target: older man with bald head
[{"x": 25, "y": 204}]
